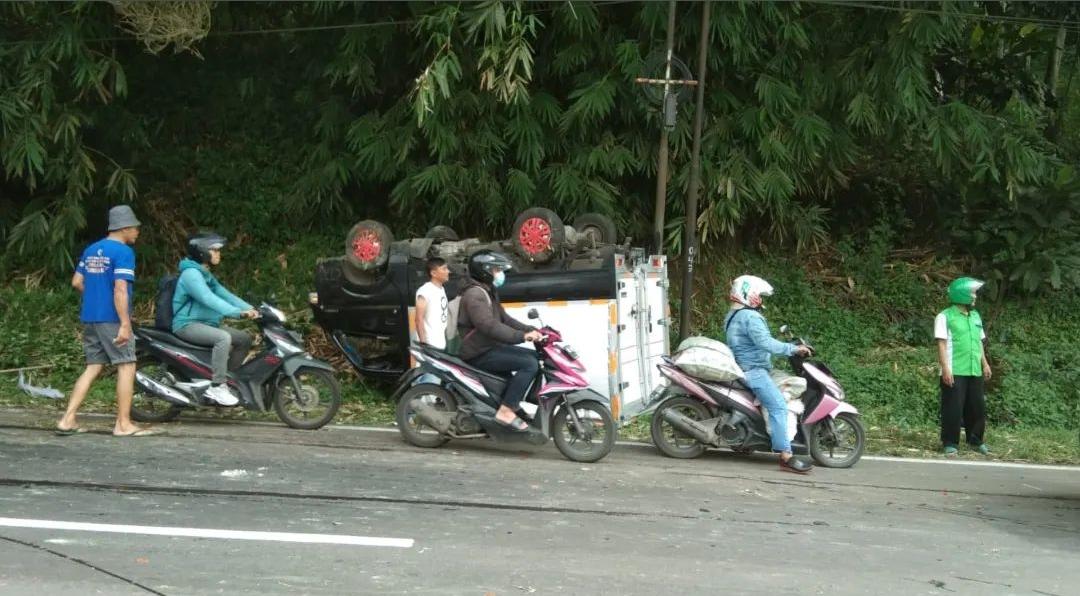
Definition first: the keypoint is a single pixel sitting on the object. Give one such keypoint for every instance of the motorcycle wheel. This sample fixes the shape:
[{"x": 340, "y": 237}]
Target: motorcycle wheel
[
  {"x": 830, "y": 435},
  {"x": 317, "y": 404},
  {"x": 414, "y": 432},
  {"x": 146, "y": 407},
  {"x": 671, "y": 441},
  {"x": 591, "y": 447}
]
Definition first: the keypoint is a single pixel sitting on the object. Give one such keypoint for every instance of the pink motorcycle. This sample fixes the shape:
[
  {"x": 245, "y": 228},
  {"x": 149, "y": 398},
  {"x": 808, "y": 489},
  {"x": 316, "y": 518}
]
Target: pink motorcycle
[
  {"x": 693, "y": 415},
  {"x": 446, "y": 398}
]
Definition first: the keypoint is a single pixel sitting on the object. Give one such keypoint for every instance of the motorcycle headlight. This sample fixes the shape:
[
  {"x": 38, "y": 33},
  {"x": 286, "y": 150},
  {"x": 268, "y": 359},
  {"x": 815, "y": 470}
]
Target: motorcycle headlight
[{"x": 277, "y": 313}]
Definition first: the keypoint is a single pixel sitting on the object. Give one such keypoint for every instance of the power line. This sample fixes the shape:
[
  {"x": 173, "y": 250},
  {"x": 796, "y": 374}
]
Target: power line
[
  {"x": 307, "y": 29},
  {"x": 1068, "y": 25}
]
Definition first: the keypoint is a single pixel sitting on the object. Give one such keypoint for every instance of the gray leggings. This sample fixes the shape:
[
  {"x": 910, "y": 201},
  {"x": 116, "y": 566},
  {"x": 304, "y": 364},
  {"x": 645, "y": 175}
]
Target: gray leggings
[{"x": 230, "y": 346}]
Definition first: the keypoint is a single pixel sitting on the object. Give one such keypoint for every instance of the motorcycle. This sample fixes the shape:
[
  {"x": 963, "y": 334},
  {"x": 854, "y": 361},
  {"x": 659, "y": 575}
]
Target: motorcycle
[
  {"x": 693, "y": 415},
  {"x": 445, "y": 398},
  {"x": 173, "y": 375}
]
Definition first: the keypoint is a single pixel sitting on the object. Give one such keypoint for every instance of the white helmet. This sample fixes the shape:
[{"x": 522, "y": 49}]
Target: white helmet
[{"x": 749, "y": 290}]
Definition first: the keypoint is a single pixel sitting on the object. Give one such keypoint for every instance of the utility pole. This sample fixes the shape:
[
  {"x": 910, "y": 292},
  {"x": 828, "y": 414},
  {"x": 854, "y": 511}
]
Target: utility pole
[
  {"x": 690, "y": 238},
  {"x": 662, "y": 154}
]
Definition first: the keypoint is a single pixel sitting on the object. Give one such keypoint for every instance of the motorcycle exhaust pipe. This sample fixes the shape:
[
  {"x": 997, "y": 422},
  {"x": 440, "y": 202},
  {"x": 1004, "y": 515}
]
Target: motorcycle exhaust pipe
[
  {"x": 440, "y": 421},
  {"x": 689, "y": 426},
  {"x": 161, "y": 390}
]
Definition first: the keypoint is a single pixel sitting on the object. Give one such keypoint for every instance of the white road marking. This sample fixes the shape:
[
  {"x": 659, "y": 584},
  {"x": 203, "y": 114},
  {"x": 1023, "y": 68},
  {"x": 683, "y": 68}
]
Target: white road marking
[
  {"x": 639, "y": 444},
  {"x": 985, "y": 464},
  {"x": 45, "y": 524}
]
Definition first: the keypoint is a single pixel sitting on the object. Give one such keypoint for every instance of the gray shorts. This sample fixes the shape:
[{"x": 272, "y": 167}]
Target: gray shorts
[{"x": 99, "y": 347}]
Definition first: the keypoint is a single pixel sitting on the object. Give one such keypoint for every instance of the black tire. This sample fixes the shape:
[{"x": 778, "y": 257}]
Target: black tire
[
  {"x": 597, "y": 229},
  {"x": 584, "y": 449},
  {"x": 539, "y": 235},
  {"x": 307, "y": 404},
  {"x": 823, "y": 440},
  {"x": 442, "y": 234},
  {"x": 367, "y": 245},
  {"x": 412, "y": 430},
  {"x": 147, "y": 408},
  {"x": 669, "y": 440},
  {"x": 356, "y": 277}
]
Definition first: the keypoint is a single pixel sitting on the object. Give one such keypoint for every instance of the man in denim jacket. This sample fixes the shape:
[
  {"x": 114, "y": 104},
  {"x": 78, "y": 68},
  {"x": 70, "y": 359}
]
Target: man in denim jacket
[{"x": 753, "y": 345}]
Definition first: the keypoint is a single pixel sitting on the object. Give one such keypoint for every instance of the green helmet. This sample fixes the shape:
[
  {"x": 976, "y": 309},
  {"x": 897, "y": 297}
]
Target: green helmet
[{"x": 962, "y": 290}]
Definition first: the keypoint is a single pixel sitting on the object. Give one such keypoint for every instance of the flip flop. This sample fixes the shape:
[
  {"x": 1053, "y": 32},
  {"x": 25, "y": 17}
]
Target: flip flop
[
  {"x": 143, "y": 432},
  {"x": 516, "y": 425},
  {"x": 67, "y": 432}
]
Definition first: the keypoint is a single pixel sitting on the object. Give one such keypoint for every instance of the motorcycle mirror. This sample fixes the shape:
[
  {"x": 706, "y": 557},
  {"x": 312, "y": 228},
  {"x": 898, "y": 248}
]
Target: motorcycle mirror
[
  {"x": 533, "y": 314},
  {"x": 784, "y": 329}
]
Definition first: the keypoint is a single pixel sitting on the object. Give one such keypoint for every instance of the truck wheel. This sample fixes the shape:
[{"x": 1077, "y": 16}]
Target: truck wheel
[
  {"x": 442, "y": 234},
  {"x": 539, "y": 234},
  {"x": 367, "y": 246},
  {"x": 597, "y": 228}
]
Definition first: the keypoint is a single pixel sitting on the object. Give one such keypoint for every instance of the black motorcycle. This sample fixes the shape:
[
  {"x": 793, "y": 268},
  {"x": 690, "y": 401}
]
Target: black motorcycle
[{"x": 173, "y": 375}]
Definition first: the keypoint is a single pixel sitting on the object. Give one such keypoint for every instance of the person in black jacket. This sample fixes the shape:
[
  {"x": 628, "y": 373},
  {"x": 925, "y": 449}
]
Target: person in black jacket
[{"x": 490, "y": 336}]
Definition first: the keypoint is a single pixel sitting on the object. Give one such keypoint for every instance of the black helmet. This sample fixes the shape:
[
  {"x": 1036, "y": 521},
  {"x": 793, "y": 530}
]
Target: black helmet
[
  {"x": 199, "y": 245},
  {"x": 482, "y": 262}
]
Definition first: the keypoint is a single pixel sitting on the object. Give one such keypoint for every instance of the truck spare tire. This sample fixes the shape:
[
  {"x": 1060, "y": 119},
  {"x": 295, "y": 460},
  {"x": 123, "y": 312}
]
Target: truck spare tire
[
  {"x": 442, "y": 234},
  {"x": 367, "y": 245},
  {"x": 597, "y": 228},
  {"x": 538, "y": 235}
]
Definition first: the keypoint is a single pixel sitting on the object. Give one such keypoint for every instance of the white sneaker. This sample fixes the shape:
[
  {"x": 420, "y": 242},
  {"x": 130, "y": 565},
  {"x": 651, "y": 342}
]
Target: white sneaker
[{"x": 222, "y": 395}]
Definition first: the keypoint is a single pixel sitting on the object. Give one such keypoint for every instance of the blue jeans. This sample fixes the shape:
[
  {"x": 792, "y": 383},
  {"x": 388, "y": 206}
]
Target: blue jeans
[{"x": 758, "y": 380}]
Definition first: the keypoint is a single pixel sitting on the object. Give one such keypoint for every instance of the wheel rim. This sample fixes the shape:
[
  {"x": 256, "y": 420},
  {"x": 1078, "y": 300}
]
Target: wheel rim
[
  {"x": 147, "y": 403},
  {"x": 367, "y": 246},
  {"x": 838, "y": 440},
  {"x": 595, "y": 430},
  {"x": 316, "y": 397},
  {"x": 431, "y": 399},
  {"x": 673, "y": 436},
  {"x": 535, "y": 235}
]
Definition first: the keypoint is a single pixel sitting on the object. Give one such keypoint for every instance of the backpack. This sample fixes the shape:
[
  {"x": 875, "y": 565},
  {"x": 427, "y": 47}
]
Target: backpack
[
  {"x": 453, "y": 311},
  {"x": 163, "y": 310}
]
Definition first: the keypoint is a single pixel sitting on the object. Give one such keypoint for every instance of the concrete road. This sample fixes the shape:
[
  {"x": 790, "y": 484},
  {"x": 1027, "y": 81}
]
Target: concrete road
[{"x": 188, "y": 513}]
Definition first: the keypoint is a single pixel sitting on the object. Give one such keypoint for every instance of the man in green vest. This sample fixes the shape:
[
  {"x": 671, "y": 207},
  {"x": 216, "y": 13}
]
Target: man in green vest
[{"x": 959, "y": 334}]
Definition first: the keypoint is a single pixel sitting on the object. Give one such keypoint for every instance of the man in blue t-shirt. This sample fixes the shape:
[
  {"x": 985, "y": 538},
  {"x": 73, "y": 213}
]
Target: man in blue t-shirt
[{"x": 105, "y": 276}]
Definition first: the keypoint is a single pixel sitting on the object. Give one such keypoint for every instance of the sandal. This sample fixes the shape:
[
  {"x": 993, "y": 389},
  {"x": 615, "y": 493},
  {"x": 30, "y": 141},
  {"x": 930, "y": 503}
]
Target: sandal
[
  {"x": 142, "y": 432},
  {"x": 67, "y": 432},
  {"x": 516, "y": 425}
]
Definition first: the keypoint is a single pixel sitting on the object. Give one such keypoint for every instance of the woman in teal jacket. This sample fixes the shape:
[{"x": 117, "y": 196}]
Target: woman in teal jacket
[{"x": 200, "y": 303}]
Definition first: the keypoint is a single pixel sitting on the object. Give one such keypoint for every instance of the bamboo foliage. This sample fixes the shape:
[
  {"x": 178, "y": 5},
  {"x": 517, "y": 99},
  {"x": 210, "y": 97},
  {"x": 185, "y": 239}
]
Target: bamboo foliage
[{"x": 468, "y": 112}]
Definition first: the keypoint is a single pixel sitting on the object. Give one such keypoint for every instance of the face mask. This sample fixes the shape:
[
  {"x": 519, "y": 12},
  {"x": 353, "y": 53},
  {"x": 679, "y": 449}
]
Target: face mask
[{"x": 499, "y": 280}]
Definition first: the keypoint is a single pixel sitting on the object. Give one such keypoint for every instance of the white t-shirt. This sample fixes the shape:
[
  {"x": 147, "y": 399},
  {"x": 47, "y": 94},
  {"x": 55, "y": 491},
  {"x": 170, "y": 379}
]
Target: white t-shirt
[{"x": 435, "y": 315}]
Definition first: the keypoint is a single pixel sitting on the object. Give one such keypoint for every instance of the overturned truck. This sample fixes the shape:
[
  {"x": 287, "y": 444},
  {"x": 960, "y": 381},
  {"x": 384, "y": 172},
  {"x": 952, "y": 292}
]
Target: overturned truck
[{"x": 608, "y": 298}]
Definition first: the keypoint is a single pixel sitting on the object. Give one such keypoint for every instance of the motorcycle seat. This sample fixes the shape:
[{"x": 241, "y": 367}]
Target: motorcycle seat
[
  {"x": 447, "y": 357},
  {"x": 735, "y": 384},
  {"x": 170, "y": 338}
]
